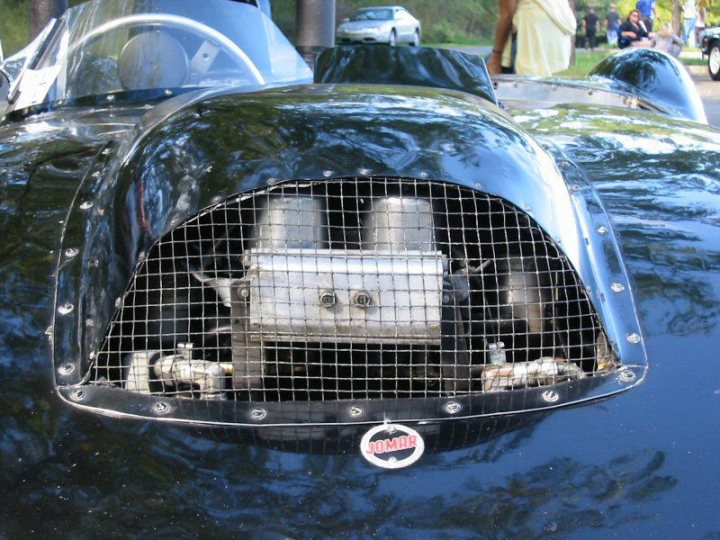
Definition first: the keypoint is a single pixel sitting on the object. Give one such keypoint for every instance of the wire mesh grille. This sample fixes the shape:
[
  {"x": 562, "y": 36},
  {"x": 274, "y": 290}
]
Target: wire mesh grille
[{"x": 352, "y": 289}]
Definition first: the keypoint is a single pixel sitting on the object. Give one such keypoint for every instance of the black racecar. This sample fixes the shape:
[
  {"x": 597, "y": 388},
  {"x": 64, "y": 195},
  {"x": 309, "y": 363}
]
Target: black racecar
[
  {"x": 235, "y": 290},
  {"x": 710, "y": 45}
]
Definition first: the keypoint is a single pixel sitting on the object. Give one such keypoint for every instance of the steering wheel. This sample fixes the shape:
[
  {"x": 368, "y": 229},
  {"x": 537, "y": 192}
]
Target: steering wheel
[{"x": 213, "y": 43}]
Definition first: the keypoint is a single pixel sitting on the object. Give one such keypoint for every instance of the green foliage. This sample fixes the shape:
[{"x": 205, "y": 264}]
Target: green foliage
[{"x": 14, "y": 25}]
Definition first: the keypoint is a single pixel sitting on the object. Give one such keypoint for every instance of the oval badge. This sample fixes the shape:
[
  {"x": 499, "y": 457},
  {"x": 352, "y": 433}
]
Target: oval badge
[{"x": 392, "y": 446}]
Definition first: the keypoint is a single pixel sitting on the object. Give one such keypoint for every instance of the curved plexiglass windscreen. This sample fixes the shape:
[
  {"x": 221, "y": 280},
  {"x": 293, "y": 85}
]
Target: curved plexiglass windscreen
[{"x": 104, "y": 47}]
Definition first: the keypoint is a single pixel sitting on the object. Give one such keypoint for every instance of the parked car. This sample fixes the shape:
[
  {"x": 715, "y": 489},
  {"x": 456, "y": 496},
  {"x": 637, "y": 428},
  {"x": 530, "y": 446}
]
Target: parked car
[
  {"x": 380, "y": 24},
  {"x": 710, "y": 45},
  {"x": 232, "y": 289}
]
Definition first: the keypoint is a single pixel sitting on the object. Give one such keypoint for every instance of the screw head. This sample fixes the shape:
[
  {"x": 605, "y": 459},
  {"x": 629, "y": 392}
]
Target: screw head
[
  {"x": 355, "y": 411},
  {"x": 258, "y": 414},
  {"x": 633, "y": 338},
  {"x": 66, "y": 308},
  {"x": 617, "y": 287},
  {"x": 66, "y": 369},
  {"x": 452, "y": 407},
  {"x": 77, "y": 394},
  {"x": 362, "y": 299},
  {"x": 161, "y": 408},
  {"x": 328, "y": 299},
  {"x": 627, "y": 376},
  {"x": 550, "y": 396}
]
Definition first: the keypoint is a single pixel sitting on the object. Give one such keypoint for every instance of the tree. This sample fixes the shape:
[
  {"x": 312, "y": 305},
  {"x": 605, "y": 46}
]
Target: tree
[
  {"x": 41, "y": 11},
  {"x": 677, "y": 17}
]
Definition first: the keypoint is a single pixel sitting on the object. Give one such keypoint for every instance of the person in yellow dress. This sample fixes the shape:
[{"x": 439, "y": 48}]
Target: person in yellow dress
[{"x": 543, "y": 31}]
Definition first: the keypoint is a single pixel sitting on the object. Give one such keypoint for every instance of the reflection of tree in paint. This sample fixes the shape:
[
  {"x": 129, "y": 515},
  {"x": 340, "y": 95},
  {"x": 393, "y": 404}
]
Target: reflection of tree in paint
[{"x": 659, "y": 181}]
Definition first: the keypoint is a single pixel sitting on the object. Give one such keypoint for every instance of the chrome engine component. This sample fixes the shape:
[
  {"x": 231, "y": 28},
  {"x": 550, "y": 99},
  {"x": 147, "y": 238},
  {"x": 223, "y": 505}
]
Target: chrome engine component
[
  {"x": 377, "y": 297},
  {"x": 541, "y": 372},
  {"x": 353, "y": 289}
]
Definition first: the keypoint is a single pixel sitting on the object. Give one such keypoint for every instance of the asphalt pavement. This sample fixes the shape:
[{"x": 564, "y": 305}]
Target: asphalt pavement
[{"x": 709, "y": 91}]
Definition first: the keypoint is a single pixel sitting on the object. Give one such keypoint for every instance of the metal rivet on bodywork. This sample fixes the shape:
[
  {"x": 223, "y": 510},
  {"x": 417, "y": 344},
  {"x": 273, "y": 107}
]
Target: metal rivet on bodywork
[
  {"x": 452, "y": 407},
  {"x": 161, "y": 408},
  {"x": 617, "y": 287},
  {"x": 633, "y": 338},
  {"x": 77, "y": 395},
  {"x": 364, "y": 172},
  {"x": 551, "y": 396},
  {"x": 355, "y": 411},
  {"x": 627, "y": 376},
  {"x": 86, "y": 205},
  {"x": 71, "y": 252},
  {"x": 66, "y": 308},
  {"x": 66, "y": 369},
  {"x": 602, "y": 229},
  {"x": 258, "y": 414},
  {"x": 328, "y": 174}
]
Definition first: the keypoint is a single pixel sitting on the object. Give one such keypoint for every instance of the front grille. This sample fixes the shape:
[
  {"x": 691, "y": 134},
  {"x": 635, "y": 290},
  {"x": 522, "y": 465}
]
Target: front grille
[{"x": 352, "y": 289}]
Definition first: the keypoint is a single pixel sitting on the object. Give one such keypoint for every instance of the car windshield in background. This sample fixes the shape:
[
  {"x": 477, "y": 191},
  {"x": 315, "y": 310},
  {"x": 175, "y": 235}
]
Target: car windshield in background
[
  {"x": 373, "y": 15},
  {"x": 104, "y": 47}
]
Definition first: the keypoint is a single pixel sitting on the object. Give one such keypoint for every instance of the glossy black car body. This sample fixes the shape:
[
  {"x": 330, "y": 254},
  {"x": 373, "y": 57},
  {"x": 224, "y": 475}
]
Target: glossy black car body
[
  {"x": 710, "y": 46},
  {"x": 88, "y": 185}
]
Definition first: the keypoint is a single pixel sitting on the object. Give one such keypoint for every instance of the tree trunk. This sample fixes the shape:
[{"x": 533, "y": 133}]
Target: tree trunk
[
  {"x": 677, "y": 17},
  {"x": 573, "y": 6},
  {"x": 41, "y": 11}
]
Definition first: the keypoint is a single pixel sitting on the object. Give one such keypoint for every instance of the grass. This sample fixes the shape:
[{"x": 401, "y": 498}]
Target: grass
[{"x": 584, "y": 62}]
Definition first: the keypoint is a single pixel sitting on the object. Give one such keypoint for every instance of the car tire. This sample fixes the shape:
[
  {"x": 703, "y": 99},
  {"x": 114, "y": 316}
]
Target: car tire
[
  {"x": 392, "y": 40},
  {"x": 416, "y": 39},
  {"x": 714, "y": 61}
]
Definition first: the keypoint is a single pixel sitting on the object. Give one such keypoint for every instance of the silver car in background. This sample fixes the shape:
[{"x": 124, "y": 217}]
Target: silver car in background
[{"x": 380, "y": 24}]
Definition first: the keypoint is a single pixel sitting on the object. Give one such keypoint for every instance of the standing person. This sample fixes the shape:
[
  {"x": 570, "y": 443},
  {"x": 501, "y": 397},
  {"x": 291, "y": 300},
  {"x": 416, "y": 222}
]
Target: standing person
[
  {"x": 544, "y": 30},
  {"x": 591, "y": 26},
  {"x": 700, "y": 22},
  {"x": 690, "y": 18},
  {"x": 612, "y": 24},
  {"x": 647, "y": 13}
]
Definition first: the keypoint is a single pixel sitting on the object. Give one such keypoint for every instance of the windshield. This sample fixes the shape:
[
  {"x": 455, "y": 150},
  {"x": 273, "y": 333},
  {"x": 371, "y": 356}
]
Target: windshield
[
  {"x": 105, "y": 47},
  {"x": 372, "y": 15}
]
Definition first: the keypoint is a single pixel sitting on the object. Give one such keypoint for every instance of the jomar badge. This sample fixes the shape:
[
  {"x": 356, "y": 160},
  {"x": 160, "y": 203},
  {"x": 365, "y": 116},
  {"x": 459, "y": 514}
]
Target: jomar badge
[{"x": 392, "y": 446}]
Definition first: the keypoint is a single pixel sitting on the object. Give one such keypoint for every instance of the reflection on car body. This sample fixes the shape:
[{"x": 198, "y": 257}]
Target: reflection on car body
[{"x": 380, "y": 24}]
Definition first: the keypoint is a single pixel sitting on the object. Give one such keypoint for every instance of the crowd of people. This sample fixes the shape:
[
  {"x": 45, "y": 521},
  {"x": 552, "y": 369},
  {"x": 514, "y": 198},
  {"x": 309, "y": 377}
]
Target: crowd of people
[{"x": 534, "y": 37}]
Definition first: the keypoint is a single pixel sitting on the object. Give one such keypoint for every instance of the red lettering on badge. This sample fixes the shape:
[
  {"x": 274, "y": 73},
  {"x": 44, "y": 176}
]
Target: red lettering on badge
[{"x": 384, "y": 446}]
